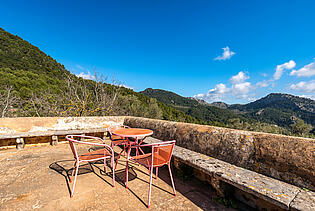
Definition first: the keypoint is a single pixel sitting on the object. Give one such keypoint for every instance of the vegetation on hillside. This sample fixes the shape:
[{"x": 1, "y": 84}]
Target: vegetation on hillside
[
  {"x": 34, "y": 84},
  {"x": 273, "y": 118},
  {"x": 280, "y": 109}
]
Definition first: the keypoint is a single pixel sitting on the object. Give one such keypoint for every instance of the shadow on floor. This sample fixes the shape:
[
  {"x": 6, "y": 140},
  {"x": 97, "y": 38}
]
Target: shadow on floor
[{"x": 200, "y": 193}]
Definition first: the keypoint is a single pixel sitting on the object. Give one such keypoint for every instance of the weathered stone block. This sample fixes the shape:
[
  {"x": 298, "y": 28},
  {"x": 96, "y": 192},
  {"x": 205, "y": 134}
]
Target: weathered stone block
[
  {"x": 54, "y": 140},
  {"x": 20, "y": 143}
]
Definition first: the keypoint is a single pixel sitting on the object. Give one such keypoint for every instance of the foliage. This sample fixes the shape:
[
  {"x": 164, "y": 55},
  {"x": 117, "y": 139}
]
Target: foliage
[
  {"x": 40, "y": 86},
  {"x": 301, "y": 128},
  {"x": 212, "y": 115},
  {"x": 34, "y": 84},
  {"x": 279, "y": 109}
]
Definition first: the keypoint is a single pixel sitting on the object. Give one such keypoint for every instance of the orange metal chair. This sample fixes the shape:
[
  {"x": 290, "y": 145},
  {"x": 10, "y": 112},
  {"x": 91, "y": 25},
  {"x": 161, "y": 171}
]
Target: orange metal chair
[
  {"x": 160, "y": 155},
  {"x": 101, "y": 154}
]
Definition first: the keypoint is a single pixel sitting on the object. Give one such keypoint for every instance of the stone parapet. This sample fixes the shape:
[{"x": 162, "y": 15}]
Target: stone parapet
[
  {"x": 261, "y": 192},
  {"x": 287, "y": 158}
]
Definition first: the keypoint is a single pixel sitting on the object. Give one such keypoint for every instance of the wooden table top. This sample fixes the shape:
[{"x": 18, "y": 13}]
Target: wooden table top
[{"x": 132, "y": 132}]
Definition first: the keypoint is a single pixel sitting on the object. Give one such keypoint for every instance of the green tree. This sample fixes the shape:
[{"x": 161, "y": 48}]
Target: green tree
[{"x": 301, "y": 128}]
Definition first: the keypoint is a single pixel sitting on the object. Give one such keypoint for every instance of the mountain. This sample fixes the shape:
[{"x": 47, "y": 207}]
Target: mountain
[
  {"x": 279, "y": 109},
  {"x": 196, "y": 108},
  {"x": 275, "y": 113},
  {"x": 220, "y": 105},
  {"x": 34, "y": 84}
]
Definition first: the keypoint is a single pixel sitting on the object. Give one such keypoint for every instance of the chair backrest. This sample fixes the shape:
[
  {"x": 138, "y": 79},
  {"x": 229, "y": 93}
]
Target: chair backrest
[
  {"x": 110, "y": 129},
  {"x": 76, "y": 139},
  {"x": 162, "y": 152}
]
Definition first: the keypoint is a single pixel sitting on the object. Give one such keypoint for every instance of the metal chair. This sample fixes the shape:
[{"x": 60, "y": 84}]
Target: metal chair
[
  {"x": 160, "y": 155},
  {"x": 100, "y": 154}
]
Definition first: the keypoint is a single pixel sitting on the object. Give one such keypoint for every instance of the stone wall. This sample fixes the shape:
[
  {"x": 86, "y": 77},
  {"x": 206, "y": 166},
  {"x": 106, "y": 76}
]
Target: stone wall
[
  {"x": 40, "y": 124},
  {"x": 290, "y": 159}
]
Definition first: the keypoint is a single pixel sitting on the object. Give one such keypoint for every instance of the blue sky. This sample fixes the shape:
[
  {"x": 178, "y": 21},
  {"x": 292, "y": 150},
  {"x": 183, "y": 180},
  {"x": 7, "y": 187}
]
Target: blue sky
[{"x": 178, "y": 45}]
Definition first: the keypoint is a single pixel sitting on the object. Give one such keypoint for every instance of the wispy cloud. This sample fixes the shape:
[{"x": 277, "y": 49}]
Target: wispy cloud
[
  {"x": 280, "y": 68},
  {"x": 86, "y": 75},
  {"x": 306, "y": 71},
  {"x": 262, "y": 84},
  {"x": 227, "y": 54},
  {"x": 79, "y": 67},
  {"x": 128, "y": 87},
  {"x": 312, "y": 97},
  {"x": 239, "y": 78},
  {"x": 303, "y": 86}
]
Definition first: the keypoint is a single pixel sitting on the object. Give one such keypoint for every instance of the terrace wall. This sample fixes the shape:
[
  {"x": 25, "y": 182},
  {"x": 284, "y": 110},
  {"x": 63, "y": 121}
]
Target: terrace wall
[
  {"x": 290, "y": 159},
  {"x": 287, "y": 158}
]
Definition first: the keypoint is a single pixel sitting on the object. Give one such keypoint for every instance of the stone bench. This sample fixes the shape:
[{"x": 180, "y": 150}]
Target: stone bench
[
  {"x": 280, "y": 194},
  {"x": 19, "y": 137}
]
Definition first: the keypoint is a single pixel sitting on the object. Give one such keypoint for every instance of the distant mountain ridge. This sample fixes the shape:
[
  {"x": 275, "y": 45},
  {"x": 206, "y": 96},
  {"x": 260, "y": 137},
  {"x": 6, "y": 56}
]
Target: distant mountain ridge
[
  {"x": 194, "y": 107},
  {"x": 280, "y": 109},
  {"x": 276, "y": 108}
]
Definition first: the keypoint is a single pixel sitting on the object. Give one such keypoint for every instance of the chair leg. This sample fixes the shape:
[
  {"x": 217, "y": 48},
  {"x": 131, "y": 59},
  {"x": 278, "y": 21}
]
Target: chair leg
[
  {"x": 156, "y": 172},
  {"x": 73, "y": 171},
  {"x": 126, "y": 174},
  {"x": 125, "y": 150},
  {"x": 75, "y": 178},
  {"x": 104, "y": 165},
  {"x": 118, "y": 158},
  {"x": 169, "y": 169},
  {"x": 149, "y": 197},
  {"x": 113, "y": 170}
]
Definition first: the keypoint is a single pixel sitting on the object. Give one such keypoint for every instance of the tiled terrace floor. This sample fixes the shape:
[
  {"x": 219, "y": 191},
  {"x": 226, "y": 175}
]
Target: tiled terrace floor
[{"x": 35, "y": 178}]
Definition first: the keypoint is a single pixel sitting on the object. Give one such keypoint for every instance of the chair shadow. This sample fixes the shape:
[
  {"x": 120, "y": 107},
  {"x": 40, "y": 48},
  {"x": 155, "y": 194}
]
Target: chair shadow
[
  {"x": 132, "y": 175},
  {"x": 62, "y": 168}
]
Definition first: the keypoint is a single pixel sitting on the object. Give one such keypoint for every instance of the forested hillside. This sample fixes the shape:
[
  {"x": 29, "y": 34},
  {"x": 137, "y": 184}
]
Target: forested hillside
[
  {"x": 34, "y": 84},
  {"x": 276, "y": 113},
  {"x": 193, "y": 107},
  {"x": 280, "y": 109}
]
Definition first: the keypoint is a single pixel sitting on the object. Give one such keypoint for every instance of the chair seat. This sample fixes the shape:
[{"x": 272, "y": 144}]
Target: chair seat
[
  {"x": 97, "y": 154},
  {"x": 114, "y": 137},
  {"x": 146, "y": 159}
]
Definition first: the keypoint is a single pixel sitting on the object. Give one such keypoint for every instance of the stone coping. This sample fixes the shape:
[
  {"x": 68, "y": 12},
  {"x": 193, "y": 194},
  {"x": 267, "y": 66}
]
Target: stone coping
[
  {"x": 279, "y": 193},
  {"x": 52, "y": 133}
]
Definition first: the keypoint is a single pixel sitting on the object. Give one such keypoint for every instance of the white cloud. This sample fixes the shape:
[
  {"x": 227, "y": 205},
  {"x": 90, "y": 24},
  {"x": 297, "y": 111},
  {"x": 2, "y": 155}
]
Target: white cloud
[
  {"x": 306, "y": 71},
  {"x": 280, "y": 68},
  {"x": 128, "y": 87},
  {"x": 262, "y": 84},
  {"x": 303, "y": 86},
  {"x": 86, "y": 75},
  {"x": 239, "y": 78},
  {"x": 241, "y": 90},
  {"x": 312, "y": 97},
  {"x": 219, "y": 91},
  {"x": 227, "y": 54}
]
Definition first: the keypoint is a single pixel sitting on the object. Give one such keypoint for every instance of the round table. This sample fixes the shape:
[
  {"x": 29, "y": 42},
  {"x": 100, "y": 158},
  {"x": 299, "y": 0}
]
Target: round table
[
  {"x": 135, "y": 133},
  {"x": 132, "y": 132}
]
